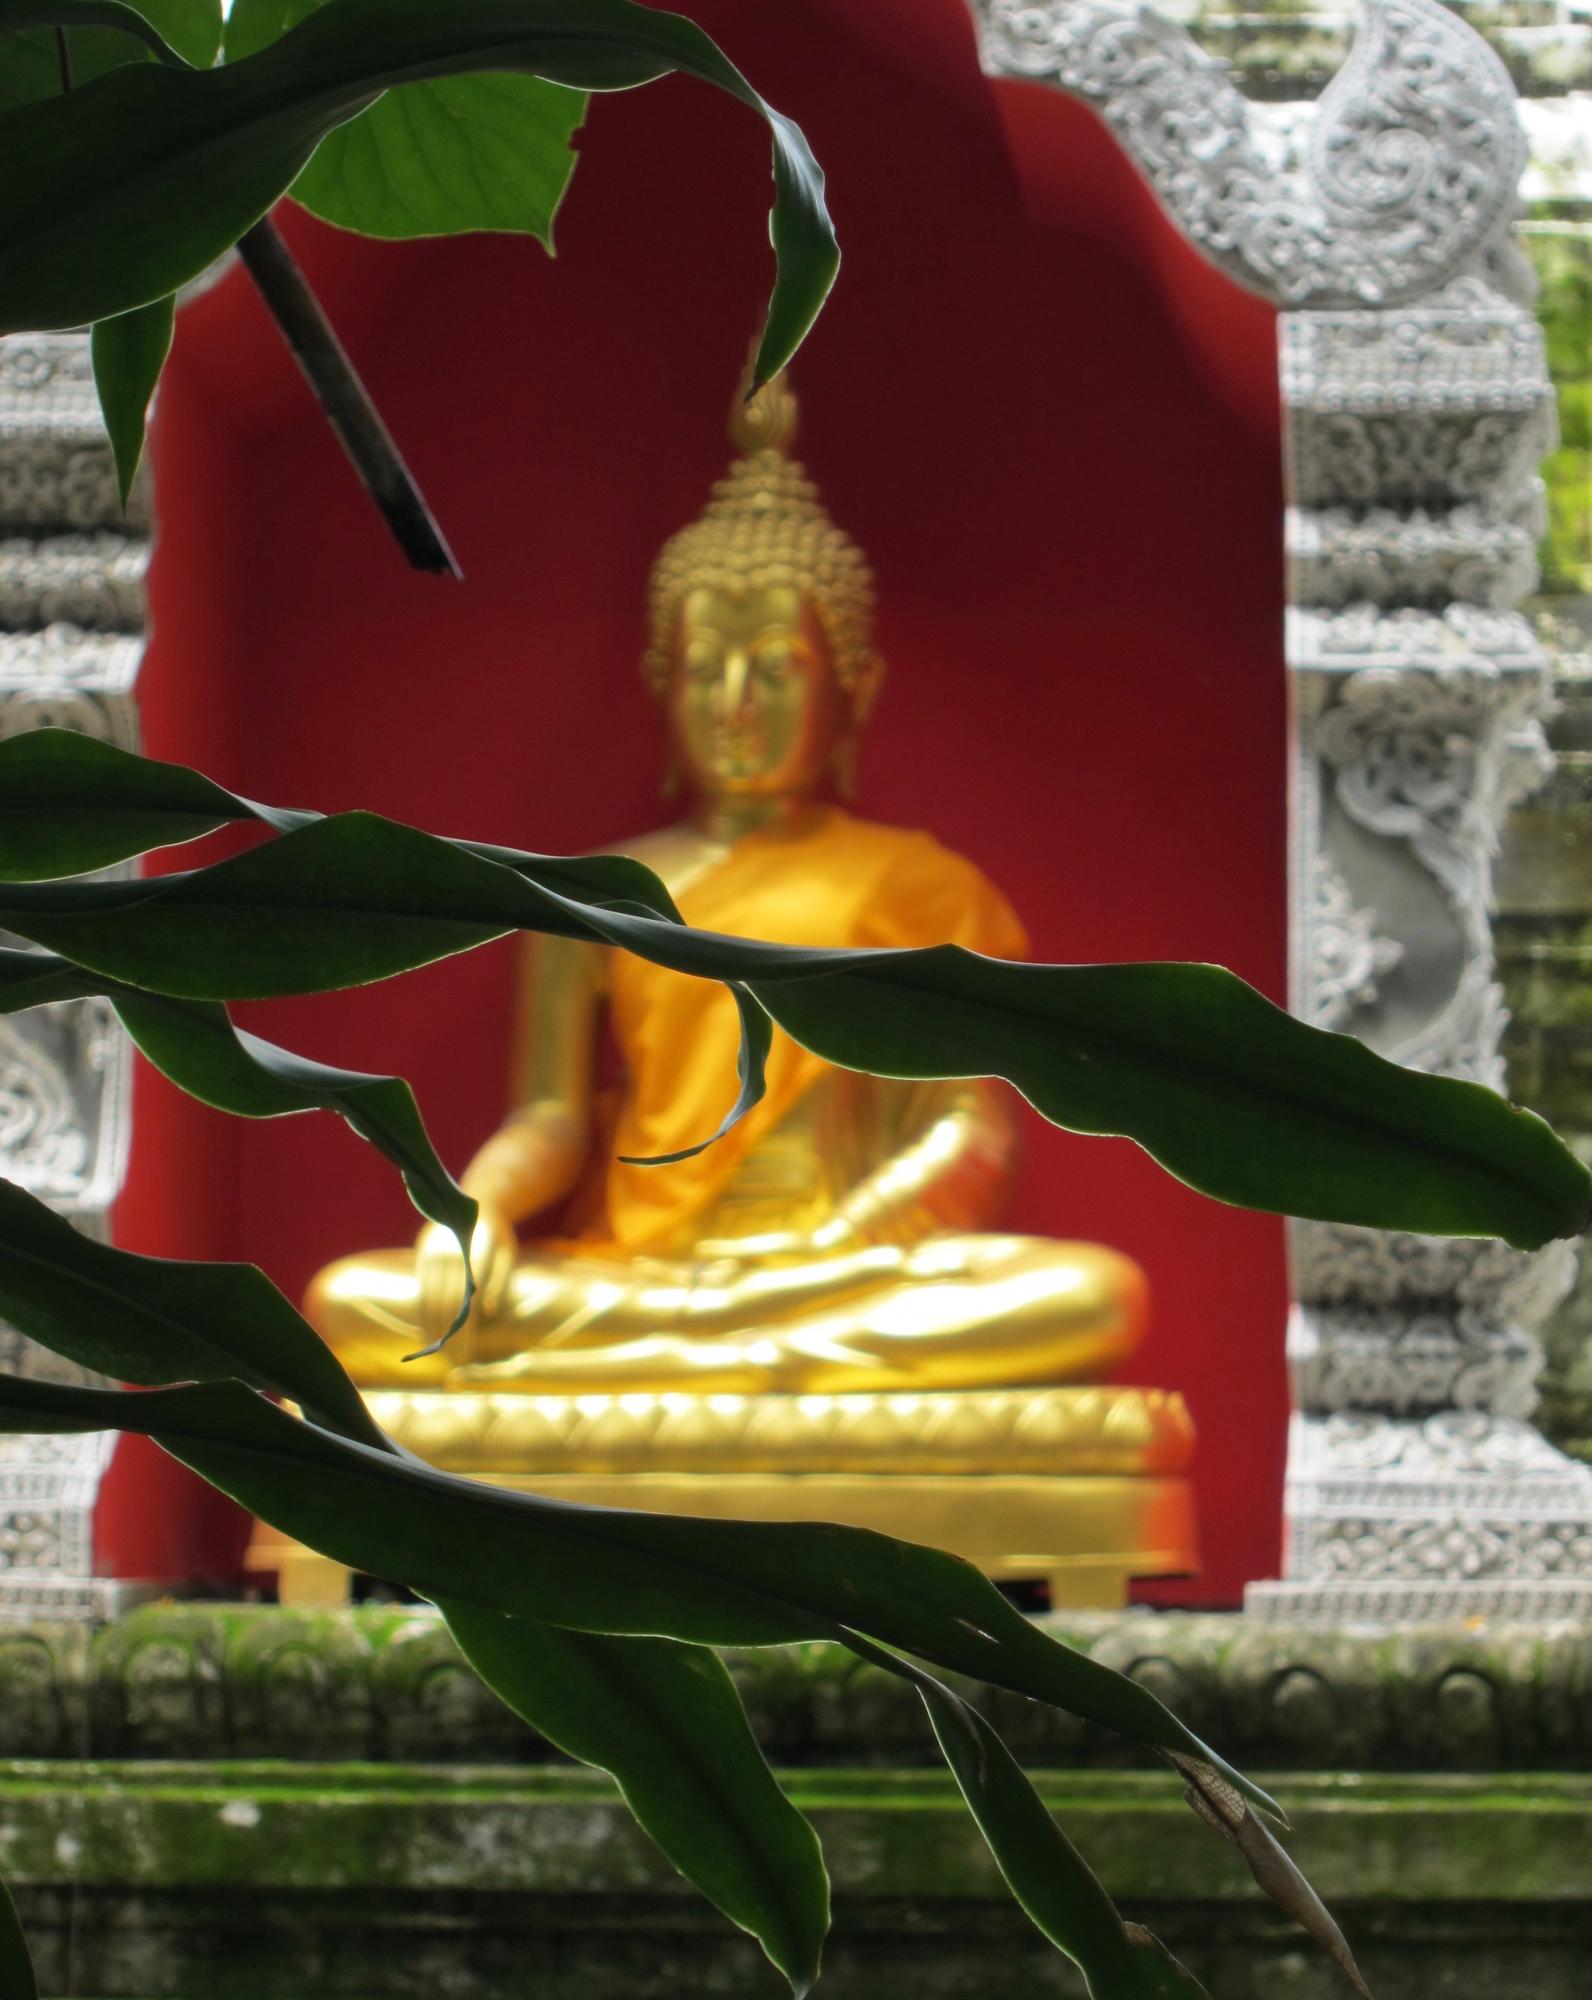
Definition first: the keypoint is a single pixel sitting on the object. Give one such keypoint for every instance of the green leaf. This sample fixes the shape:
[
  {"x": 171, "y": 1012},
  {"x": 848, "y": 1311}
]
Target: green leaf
[
  {"x": 30, "y": 66},
  {"x": 122, "y": 191},
  {"x": 666, "y": 1720},
  {"x": 1225, "y": 1090},
  {"x": 1050, "y": 1879},
  {"x": 601, "y": 1569},
  {"x": 153, "y": 1320},
  {"x": 134, "y": 22},
  {"x": 17, "y": 1981},
  {"x": 69, "y": 804},
  {"x": 195, "y": 1044},
  {"x": 432, "y": 159},
  {"x": 128, "y": 354},
  {"x": 437, "y": 159}
]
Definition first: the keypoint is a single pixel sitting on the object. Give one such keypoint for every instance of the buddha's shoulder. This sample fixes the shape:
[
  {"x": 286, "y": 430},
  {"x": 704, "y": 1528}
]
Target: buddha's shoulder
[
  {"x": 836, "y": 842},
  {"x": 873, "y": 843}
]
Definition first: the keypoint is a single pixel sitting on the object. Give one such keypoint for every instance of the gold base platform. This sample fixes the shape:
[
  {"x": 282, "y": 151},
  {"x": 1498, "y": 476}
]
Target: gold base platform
[{"x": 1080, "y": 1488}]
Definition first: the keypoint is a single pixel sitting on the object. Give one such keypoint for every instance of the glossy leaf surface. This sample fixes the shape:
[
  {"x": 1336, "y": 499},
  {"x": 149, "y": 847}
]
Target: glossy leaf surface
[
  {"x": 195, "y": 1044},
  {"x": 1225, "y": 1090},
  {"x": 128, "y": 354},
  {"x": 122, "y": 191},
  {"x": 157, "y": 1320},
  {"x": 1048, "y": 1876},
  {"x": 601, "y": 1569},
  {"x": 432, "y": 159},
  {"x": 666, "y": 1720}
]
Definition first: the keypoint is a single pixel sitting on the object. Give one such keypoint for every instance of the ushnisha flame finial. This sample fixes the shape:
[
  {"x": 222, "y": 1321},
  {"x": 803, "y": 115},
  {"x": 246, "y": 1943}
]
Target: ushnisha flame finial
[{"x": 765, "y": 526}]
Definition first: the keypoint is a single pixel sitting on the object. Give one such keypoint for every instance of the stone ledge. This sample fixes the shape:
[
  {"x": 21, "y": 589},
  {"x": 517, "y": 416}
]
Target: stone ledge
[
  {"x": 188, "y": 1682},
  {"x": 275, "y": 1882}
]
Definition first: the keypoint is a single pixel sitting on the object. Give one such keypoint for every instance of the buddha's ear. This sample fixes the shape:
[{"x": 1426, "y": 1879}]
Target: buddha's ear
[{"x": 865, "y": 691}]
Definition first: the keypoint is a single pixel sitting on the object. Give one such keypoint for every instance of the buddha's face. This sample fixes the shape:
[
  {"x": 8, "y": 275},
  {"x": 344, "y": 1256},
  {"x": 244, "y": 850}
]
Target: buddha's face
[{"x": 754, "y": 708}]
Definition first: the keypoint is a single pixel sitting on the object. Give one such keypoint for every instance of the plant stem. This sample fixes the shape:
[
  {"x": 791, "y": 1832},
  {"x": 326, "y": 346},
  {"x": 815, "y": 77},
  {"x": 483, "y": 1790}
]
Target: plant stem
[
  {"x": 63, "y": 56},
  {"x": 344, "y": 398}
]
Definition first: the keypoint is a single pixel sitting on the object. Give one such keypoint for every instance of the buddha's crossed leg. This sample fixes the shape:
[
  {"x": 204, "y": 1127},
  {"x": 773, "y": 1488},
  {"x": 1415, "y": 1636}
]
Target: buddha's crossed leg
[{"x": 948, "y": 1312}]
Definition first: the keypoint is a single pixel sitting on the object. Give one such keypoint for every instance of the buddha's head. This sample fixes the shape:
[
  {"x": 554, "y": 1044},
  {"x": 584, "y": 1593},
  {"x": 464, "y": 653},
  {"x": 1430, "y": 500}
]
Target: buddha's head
[{"x": 762, "y": 611}]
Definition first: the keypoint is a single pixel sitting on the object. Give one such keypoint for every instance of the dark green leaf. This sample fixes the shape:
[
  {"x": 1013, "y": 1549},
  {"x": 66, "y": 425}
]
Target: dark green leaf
[
  {"x": 69, "y": 804},
  {"x": 152, "y": 1320},
  {"x": 666, "y": 1720},
  {"x": 129, "y": 353},
  {"x": 432, "y": 159},
  {"x": 133, "y": 22},
  {"x": 17, "y": 1981},
  {"x": 1045, "y": 1872},
  {"x": 122, "y": 191},
  {"x": 30, "y": 66},
  {"x": 196, "y": 1045},
  {"x": 601, "y": 1569},
  {"x": 1222, "y": 1088}
]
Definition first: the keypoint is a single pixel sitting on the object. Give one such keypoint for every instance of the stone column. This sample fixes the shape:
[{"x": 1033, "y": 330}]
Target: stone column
[
  {"x": 72, "y": 614},
  {"x": 1416, "y": 1485},
  {"x": 1379, "y": 219}
]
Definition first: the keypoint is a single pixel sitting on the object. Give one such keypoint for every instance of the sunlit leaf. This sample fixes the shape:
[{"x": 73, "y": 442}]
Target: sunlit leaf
[
  {"x": 432, "y": 159},
  {"x": 123, "y": 190}
]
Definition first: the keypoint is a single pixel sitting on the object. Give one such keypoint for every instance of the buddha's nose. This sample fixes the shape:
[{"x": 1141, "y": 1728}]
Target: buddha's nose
[{"x": 734, "y": 683}]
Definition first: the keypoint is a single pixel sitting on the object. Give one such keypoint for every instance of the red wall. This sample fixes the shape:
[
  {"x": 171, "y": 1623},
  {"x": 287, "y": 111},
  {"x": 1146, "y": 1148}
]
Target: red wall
[{"x": 1053, "y": 428}]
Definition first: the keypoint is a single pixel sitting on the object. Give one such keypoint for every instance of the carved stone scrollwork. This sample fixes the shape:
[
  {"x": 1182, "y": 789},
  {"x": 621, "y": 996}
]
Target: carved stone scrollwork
[
  {"x": 1463, "y": 1509},
  {"x": 1418, "y": 405},
  {"x": 1339, "y": 556},
  {"x": 1400, "y": 178},
  {"x": 1429, "y": 407},
  {"x": 72, "y": 611},
  {"x": 1347, "y": 954}
]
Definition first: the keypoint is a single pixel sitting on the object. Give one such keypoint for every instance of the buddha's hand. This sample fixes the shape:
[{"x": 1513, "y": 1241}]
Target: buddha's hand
[{"x": 439, "y": 1271}]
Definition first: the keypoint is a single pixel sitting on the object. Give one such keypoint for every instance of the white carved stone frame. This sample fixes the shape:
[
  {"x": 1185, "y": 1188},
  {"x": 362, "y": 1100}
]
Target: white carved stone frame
[
  {"x": 72, "y": 616},
  {"x": 1417, "y": 405}
]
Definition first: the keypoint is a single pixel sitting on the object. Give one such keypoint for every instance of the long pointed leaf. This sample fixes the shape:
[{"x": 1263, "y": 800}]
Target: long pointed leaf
[
  {"x": 128, "y": 353},
  {"x": 152, "y": 1320},
  {"x": 600, "y": 1569},
  {"x": 665, "y": 1719},
  {"x": 123, "y": 191},
  {"x": 1048, "y": 1876},
  {"x": 1225, "y": 1090},
  {"x": 70, "y": 804},
  {"x": 195, "y": 1044}
]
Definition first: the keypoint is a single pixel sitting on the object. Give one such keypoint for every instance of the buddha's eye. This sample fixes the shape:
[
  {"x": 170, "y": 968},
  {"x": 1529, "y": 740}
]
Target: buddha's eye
[
  {"x": 774, "y": 657},
  {"x": 703, "y": 655}
]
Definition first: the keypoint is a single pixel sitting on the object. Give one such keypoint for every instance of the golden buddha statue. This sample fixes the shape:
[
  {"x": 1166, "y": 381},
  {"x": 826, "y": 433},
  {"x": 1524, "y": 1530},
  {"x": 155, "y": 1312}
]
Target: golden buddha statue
[{"x": 832, "y": 1267}]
